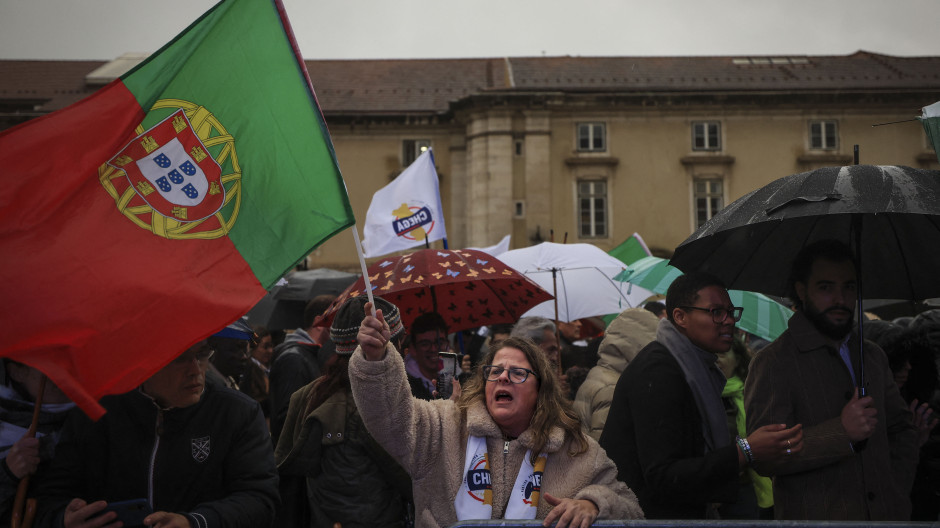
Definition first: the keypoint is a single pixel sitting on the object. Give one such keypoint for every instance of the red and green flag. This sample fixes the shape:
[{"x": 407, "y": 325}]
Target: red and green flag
[{"x": 156, "y": 211}]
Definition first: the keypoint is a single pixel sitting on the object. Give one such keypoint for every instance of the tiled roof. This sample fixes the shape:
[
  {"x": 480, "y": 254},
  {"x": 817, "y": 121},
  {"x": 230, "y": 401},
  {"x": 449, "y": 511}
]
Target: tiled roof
[
  {"x": 859, "y": 71},
  {"x": 377, "y": 87},
  {"x": 400, "y": 86},
  {"x": 60, "y": 83}
]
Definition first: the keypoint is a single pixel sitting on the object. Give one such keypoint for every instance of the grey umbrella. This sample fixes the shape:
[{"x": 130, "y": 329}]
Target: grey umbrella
[{"x": 888, "y": 215}]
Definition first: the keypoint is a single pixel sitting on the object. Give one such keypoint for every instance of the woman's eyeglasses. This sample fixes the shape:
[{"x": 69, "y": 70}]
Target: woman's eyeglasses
[
  {"x": 516, "y": 374},
  {"x": 719, "y": 314}
]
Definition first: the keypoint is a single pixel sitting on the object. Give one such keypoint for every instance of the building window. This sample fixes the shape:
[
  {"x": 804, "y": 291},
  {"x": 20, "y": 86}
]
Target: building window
[
  {"x": 592, "y": 205},
  {"x": 824, "y": 135},
  {"x": 592, "y": 137},
  {"x": 708, "y": 198},
  {"x": 411, "y": 149},
  {"x": 518, "y": 146},
  {"x": 706, "y": 135}
]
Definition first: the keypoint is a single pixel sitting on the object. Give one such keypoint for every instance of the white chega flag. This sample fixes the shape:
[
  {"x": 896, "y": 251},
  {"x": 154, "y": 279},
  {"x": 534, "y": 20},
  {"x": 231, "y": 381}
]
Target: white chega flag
[
  {"x": 405, "y": 212},
  {"x": 501, "y": 247}
]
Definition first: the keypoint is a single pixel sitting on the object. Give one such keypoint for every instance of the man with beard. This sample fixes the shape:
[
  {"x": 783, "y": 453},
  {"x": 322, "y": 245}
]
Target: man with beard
[{"x": 859, "y": 453}]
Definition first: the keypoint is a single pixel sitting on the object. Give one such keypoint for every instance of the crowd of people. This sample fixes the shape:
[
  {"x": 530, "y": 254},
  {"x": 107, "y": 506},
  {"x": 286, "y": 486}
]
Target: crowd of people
[{"x": 667, "y": 412}]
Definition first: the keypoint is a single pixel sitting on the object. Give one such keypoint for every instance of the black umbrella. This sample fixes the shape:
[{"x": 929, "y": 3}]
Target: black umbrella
[
  {"x": 283, "y": 307},
  {"x": 307, "y": 284},
  {"x": 888, "y": 215}
]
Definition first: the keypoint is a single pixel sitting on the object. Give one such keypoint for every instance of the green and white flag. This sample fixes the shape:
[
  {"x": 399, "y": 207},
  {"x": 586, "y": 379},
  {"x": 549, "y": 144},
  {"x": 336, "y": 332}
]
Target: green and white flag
[{"x": 930, "y": 118}]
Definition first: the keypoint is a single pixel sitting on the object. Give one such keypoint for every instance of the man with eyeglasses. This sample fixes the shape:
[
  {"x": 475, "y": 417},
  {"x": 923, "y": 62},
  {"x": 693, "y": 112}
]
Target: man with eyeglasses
[
  {"x": 199, "y": 454},
  {"x": 861, "y": 452},
  {"x": 667, "y": 428},
  {"x": 423, "y": 362}
]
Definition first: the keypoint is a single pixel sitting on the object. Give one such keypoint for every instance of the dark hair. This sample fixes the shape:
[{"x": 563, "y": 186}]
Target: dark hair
[
  {"x": 684, "y": 290},
  {"x": 926, "y": 318},
  {"x": 501, "y": 328},
  {"x": 882, "y": 332},
  {"x": 831, "y": 250},
  {"x": 428, "y": 322},
  {"x": 576, "y": 375},
  {"x": 260, "y": 333},
  {"x": 334, "y": 379},
  {"x": 657, "y": 308},
  {"x": 316, "y": 307},
  {"x": 916, "y": 346},
  {"x": 552, "y": 407}
]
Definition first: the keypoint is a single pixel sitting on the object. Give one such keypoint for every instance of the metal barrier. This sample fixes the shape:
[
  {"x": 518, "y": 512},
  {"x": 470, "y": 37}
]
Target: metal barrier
[{"x": 708, "y": 524}]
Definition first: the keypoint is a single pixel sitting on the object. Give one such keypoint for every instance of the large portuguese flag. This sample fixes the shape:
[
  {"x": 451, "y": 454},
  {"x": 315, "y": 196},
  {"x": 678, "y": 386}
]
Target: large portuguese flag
[{"x": 146, "y": 217}]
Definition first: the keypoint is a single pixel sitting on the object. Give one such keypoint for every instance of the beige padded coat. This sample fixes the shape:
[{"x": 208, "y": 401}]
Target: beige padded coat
[{"x": 626, "y": 335}]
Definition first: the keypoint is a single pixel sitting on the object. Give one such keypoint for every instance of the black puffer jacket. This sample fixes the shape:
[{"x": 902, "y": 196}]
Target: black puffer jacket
[
  {"x": 333, "y": 471},
  {"x": 211, "y": 461}
]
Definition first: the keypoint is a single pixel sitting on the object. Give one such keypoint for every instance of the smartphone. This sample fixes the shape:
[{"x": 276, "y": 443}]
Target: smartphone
[
  {"x": 130, "y": 512},
  {"x": 445, "y": 378}
]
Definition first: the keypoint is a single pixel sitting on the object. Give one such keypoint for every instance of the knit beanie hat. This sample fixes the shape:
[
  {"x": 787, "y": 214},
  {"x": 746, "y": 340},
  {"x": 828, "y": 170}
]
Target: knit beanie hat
[{"x": 349, "y": 317}]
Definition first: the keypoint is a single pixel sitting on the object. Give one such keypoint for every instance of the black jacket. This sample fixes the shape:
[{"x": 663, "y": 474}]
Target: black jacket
[
  {"x": 211, "y": 461},
  {"x": 654, "y": 435}
]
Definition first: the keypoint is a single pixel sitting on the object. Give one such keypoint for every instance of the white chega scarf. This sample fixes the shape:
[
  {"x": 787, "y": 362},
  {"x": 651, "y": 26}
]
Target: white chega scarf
[{"x": 475, "y": 497}]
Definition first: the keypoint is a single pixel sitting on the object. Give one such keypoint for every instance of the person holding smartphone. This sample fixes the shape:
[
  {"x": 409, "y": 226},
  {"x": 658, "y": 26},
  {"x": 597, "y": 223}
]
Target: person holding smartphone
[
  {"x": 423, "y": 361},
  {"x": 197, "y": 454}
]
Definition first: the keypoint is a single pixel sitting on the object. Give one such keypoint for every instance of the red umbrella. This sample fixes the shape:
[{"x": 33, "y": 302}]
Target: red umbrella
[{"x": 469, "y": 288}]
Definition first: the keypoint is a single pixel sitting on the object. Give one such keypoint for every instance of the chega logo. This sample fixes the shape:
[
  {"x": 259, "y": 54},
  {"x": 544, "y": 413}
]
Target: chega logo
[
  {"x": 413, "y": 222},
  {"x": 532, "y": 485},
  {"x": 479, "y": 484}
]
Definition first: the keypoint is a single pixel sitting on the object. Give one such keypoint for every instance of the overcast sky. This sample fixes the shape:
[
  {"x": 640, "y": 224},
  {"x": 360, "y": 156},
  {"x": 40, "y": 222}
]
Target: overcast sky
[{"x": 340, "y": 29}]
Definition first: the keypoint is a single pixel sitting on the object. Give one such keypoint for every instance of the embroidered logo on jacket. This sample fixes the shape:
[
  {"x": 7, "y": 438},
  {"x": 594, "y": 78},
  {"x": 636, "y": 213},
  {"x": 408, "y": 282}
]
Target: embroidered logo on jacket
[{"x": 200, "y": 449}]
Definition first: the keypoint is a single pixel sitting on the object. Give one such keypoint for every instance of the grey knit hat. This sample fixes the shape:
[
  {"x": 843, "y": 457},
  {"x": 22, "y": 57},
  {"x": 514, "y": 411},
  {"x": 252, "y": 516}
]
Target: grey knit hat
[{"x": 349, "y": 316}]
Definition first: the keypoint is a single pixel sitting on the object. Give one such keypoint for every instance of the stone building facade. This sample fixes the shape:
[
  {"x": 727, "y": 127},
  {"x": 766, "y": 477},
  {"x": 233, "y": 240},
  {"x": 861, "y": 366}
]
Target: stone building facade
[{"x": 582, "y": 149}]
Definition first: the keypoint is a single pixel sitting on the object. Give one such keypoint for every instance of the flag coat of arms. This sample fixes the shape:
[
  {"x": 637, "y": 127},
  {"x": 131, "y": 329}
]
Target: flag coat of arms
[
  {"x": 407, "y": 212},
  {"x": 149, "y": 215}
]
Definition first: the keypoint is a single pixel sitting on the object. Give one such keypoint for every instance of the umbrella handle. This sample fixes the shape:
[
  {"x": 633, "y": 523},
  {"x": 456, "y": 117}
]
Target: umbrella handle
[
  {"x": 857, "y": 226},
  {"x": 555, "y": 290},
  {"x": 24, "y": 511}
]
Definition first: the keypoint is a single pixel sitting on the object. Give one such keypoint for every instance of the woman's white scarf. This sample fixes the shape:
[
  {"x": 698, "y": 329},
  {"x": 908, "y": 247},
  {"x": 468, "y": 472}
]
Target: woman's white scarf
[{"x": 475, "y": 497}]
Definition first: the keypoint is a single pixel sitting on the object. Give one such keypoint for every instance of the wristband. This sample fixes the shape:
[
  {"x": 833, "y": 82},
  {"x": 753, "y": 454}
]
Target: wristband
[{"x": 746, "y": 449}]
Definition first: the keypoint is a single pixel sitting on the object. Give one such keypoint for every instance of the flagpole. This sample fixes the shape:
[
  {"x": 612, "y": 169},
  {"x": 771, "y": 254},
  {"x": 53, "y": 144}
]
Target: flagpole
[{"x": 362, "y": 263}]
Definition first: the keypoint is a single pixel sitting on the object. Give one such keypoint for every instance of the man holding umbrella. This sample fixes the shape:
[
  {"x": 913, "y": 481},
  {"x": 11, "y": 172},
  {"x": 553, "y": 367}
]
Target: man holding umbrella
[{"x": 859, "y": 451}]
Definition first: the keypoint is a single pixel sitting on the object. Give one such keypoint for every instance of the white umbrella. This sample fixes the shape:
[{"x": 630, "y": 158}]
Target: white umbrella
[{"x": 581, "y": 276}]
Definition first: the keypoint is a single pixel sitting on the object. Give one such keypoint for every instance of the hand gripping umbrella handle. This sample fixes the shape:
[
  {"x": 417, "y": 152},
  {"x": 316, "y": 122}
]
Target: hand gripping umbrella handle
[{"x": 21, "y": 518}]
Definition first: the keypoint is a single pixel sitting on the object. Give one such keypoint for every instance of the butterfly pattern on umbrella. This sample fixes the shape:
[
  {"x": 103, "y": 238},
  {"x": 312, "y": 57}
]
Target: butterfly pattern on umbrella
[{"x": 468, "y": 288}]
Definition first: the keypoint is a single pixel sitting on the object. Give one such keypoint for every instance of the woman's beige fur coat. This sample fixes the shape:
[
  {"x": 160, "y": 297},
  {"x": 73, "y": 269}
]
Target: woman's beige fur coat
[{"x": 429, "y": 439}]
